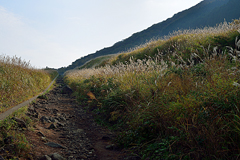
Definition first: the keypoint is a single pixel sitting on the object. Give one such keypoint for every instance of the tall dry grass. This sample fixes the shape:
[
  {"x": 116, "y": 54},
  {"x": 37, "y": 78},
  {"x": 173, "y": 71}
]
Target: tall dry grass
[
  {"x": 184, "y": 41},
  {"x": 19, "y": 81},
  {"x": 181, "y": 101}
]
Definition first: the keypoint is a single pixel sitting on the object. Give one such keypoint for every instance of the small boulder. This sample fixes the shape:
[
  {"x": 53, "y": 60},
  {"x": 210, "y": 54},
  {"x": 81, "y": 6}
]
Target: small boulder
[
  {"x": 54, "y": 145},
  {"x": 44, "y": 119},
  {"x": 62, "y": 118}
]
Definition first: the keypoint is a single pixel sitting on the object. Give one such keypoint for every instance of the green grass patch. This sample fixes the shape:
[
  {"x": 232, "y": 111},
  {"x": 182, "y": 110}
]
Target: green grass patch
[{"x": 13, "y": 142}]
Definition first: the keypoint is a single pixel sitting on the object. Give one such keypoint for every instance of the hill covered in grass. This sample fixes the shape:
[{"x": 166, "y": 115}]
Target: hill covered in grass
[
  {"x": 206, "y": 13},
  {"x": 176, "y": 98},
  {"x": 20, "y": 82}
]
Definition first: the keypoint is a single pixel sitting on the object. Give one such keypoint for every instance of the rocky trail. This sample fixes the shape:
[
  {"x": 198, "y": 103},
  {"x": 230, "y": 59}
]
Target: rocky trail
[{"x": 64, "y": 130}]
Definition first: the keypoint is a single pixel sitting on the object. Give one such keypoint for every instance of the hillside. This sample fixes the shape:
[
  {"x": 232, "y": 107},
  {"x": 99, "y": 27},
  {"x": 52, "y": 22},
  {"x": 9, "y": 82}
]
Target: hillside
[
  {"x": 176, "y": 98},
  {"x": 206, "y": 13},
  {"x": 19, "y": 81}
]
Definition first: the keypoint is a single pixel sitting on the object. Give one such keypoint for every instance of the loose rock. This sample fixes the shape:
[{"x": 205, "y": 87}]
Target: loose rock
[
  {"x": 68, "y": 129},
  {"x": 44, "y": 139},
  {"x": 40, "y": 134},
  {"x": 45, "y": 157},
  {"x": 77, "y": 131},
  {"x": 54, "y": 145},
  {"x": 52, "y": 126},
  {"x": 44, "y": 119},
  {"x": 56, "y": 156},
  {"x": 111, "y": 147}
]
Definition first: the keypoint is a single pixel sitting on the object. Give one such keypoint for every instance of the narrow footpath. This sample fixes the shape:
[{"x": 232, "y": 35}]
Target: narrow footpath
[{"x": 64, "y": 130}]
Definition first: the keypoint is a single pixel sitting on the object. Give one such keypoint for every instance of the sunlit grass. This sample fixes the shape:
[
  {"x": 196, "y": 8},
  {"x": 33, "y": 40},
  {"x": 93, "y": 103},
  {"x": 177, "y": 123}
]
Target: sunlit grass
[
  {"x": 183, "y": 42},
  {"x": 176, "y": 98},
  {"x": 19, "y": 81},
  {"x": 95, "y": 62}
]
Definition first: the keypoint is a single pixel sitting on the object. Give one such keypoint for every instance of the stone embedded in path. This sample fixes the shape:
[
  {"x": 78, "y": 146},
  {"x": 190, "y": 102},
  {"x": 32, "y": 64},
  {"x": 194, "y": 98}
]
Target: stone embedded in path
[
  {"x": 44, "y": 119},
  {"x": 52, "y": 119},
  {"x": 54, "y": 145},
  {"x": 56, "y": 156},
  {"x": 77, "y": 131},
  {"x": 40, "y": 134},
  {"x": 45, "y": 157},
  {"x": 55, "y": 111},
  {"x": 44, "y": 139},
  {"x": 52, "y": 126},
  {"x": 60, "y": 124},
  {"x": 111, "y": 147}
]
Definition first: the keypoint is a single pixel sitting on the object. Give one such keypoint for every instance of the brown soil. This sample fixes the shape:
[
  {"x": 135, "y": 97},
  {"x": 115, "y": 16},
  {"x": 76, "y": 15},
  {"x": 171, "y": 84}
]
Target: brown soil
[{"x": 75, "y": 130}]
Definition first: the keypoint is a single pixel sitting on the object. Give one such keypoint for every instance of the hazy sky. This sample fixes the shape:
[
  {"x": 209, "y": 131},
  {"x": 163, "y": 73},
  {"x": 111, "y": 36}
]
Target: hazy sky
[{"x": 55, "y": 33}]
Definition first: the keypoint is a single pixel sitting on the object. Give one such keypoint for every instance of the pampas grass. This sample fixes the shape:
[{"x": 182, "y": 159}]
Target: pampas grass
[{"x": 179, "y": 102}]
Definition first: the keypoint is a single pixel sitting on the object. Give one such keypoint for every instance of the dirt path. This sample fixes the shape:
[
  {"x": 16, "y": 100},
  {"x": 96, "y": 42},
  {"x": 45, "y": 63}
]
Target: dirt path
[{"x": 63, "y": 127}]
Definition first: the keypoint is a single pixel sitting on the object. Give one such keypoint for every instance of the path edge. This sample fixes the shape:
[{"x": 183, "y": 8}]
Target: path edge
[{"x": 13, "y": 109}]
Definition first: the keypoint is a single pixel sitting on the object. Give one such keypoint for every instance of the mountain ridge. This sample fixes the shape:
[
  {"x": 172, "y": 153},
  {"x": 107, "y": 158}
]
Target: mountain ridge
[{"x": 205, "y": 13}]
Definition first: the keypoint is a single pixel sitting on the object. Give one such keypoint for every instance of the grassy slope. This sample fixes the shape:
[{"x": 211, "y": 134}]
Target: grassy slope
[
  {"x": 17, "y": 145},
  {"x": 171, "y": 99},
  {"x": 19, "y": 81},
  {"x": 206, "y": 13},
  {"x": 95, "y": 62}
]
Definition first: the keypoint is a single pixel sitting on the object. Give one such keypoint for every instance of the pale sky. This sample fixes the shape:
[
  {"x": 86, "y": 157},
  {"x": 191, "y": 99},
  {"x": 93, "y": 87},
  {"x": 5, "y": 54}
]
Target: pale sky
[{"x": 55, "y": 33}]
